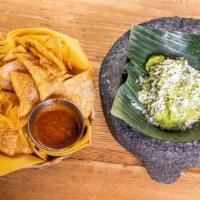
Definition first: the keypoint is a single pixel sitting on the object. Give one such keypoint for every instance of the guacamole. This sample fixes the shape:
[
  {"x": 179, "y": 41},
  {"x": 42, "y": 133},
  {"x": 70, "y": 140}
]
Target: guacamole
[{"x": 170, "y": 93}]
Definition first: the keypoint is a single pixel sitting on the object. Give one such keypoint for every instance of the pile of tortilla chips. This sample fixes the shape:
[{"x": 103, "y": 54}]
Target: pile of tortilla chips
[{"x": 37, "y": 64}]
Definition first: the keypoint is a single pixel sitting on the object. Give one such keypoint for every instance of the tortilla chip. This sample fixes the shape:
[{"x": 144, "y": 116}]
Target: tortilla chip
[
  {"x": 11, "y": 54},
  {"x": 45, "y": 62},
  {"x": 8, "y": 136},
  {"x": 80, "y": 90},
  {"x": 41, "y": 154},
  {"x": 10, "y": 96},
  {"x": 46, "y": 82},
  {"x": 5, "y": 69},
  {"x": 13, "y": 115},
  {"x": 26, "y": 91},
  {"x": 7, "y": 101},
  {"x": 10, "y": 122},
  {"x": 55, "y": 45},
  {"x": 43, "y": 51},
  {"x": 11, "y": 142},
  {"x": 5, "y": 106},
  {"x": 24, "y": 145},
  {"x": 39, "y": 38},
  {"x": 23, "y": 121}
]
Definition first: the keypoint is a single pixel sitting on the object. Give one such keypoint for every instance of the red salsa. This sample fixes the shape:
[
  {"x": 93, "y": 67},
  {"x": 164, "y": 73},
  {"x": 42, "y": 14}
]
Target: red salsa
[{"x": 55, "y": 128}]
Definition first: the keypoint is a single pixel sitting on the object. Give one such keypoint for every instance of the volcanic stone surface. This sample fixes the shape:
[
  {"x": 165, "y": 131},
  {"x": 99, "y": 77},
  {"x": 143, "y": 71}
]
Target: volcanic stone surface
[{"x": 164, "y": 160}]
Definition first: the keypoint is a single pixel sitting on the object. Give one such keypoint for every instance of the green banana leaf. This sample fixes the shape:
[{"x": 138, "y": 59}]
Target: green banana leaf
[{"x": 143, "y": 43}]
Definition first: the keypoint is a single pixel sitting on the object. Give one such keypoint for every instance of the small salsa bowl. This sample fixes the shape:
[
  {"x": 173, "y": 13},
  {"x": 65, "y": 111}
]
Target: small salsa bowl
[{"x": 40, "y": 129}]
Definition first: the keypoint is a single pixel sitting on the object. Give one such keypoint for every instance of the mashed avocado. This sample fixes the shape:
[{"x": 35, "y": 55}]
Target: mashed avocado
[{"x": 171, "y": 93}]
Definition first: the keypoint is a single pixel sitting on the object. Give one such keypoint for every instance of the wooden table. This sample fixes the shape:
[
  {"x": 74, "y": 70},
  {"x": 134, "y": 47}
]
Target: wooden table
[{"x": 104, "y": 170}]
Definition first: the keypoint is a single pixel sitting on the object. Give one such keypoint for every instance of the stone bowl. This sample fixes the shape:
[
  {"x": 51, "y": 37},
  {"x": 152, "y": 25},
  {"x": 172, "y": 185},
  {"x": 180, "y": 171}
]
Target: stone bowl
[{"x": 164, "y": 160}]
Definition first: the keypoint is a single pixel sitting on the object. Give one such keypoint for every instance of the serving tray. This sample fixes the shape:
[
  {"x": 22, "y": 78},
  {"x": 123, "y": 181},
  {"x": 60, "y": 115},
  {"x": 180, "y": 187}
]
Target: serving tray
[{"x": 164, "y": 160}]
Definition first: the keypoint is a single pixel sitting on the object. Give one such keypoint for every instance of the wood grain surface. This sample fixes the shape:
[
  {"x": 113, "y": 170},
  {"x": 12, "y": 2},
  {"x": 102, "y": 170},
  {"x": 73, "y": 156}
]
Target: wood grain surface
[{"x": 104, "y": 170}]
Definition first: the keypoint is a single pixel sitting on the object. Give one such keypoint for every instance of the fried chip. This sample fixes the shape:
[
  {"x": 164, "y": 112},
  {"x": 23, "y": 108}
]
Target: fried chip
[
  {"x": 46, "y": 82},
  {"x": 26, "y": 91},
  {"x": 45, "y": 62},
  {"x": 5, "y": 69},
  {"x": 7, "y": 101},
  {"x": 11, "y": 141},
  {"x": 39, "y": 38},
  {"x": 10, "y": 122},
  {"x": 10, "y": 56},
  {"x": 8, "y": 136},
  {"x": 80, "y": 90},
  {"x": 43, "y": 51},
  {"x": 23, "y": 121},
  {"x": 13, "y": 115},
  {"x": 55, "y": 45},
  {"x": 69, "y": 51},
  {"x": 24, "y": 145},
  {"x": 72, "y": 53},
  {"x": 10, "y": 96}
]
